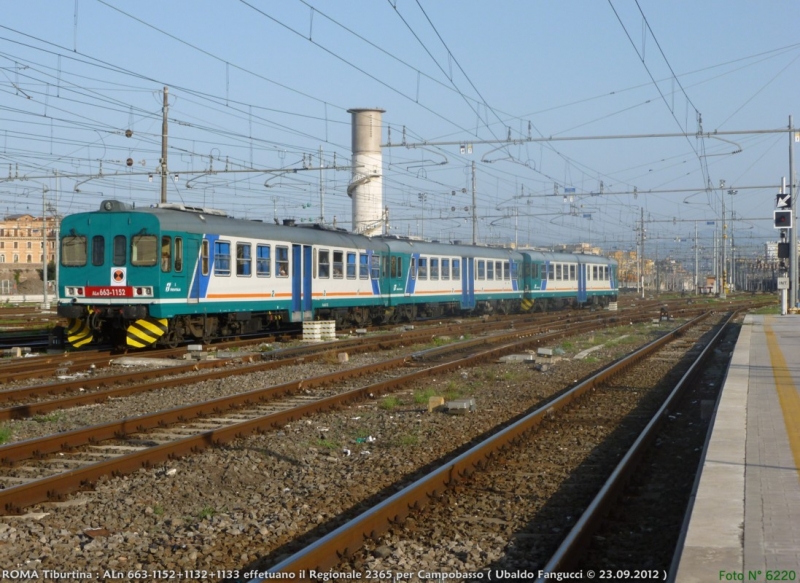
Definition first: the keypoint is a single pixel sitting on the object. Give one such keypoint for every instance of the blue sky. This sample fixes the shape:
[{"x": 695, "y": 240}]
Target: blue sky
[{"x": 266, "y": 84}]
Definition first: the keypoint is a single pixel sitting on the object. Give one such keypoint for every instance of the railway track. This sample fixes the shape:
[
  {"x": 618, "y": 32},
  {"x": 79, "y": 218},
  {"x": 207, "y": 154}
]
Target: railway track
[
  {"x": 504, "y": 470},
  {"x": 216, "y": 422},
  {"x": 217, "y": 435}
]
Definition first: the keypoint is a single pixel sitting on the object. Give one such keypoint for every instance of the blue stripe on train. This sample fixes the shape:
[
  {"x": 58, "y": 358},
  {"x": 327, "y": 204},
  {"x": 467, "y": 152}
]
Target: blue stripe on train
[{"x": 200, "y": 282}]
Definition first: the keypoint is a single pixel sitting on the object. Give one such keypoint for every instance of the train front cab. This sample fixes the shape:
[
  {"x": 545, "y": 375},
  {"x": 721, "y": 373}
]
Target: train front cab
[{"x": 106, "y": 280}]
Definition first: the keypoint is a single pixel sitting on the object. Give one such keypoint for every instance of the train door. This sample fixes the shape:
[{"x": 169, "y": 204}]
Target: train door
[
  {"x": 396, "y": 277},
  {"x": 468, "y": 283},
  {"x": 301, "y": 283},
  {"x": 192, "y": 249},
  {"x": 582, "y": 296},
  {"x": 202, "y": 249},
  {"x": 173, "y": 255}
]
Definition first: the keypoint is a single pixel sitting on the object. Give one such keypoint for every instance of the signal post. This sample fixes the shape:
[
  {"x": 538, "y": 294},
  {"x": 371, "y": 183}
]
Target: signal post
[{"x": 782, "y": 219}]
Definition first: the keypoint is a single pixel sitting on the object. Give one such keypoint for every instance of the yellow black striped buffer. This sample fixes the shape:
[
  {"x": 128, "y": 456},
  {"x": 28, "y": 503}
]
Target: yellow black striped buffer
[
  {"x": 145, "y": 332},
  {"x": 527, "y": 304},
  {"x": 78, "y": 332}
]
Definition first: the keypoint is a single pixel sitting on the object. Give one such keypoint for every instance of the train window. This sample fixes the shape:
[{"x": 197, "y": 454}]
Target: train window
[
  {"x": 489, "y": 270},
  {"x": 144, "y": 250},
  {"x": 73, "y": 251},
  {"x": 166, "y": 249},
  {"x": 98, "y": 249},
  {"x": 481, "y": 269},
  {"x": 324, "y": 264},
  {"x": 243, "y": 259},
  {"x": 222, "y": 258},
  {"x": 282, "y": 261},
  {"x": 605, "y": 272},
  {"x": 375, "y": 271},
  {"x": 204, "y": 256},
  {"x": 363, "y": 266},
  {"x": 394, "y": 271},
  {"x": 263, "y": 260},
  {"x": 422, "y": 268},
  {"x": 120, "y": 250},
  {"x": 385, "y": 266},
  {"x": 351, "y": 266},
  {"x": 594, "y": 272},
  {"x": 572, "y": 273},
  {"x": 445, "y": 269},
  {"x": 506, "y": 270},
  {"x": 498, "y": 269},
  {"x": 456, "y": 269},
  {"x": 558, "y": 272},
  {"x": 551, "y": 272},
  {"x": 413, "y": 269},
  {"x": 338, "y": 264},
  {"x": 434, "y": 268},
  {"x": 178, "y": 254}
]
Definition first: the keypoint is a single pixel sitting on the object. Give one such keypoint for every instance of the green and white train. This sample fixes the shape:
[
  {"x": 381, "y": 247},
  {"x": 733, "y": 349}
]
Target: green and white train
[{"x": 170, "y": 273}]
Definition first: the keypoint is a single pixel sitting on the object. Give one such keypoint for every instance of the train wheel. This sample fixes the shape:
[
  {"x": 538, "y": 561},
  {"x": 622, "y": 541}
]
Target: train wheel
[
  {"x": 340, "y": 316},
  {"x": 170, "y": 339}
]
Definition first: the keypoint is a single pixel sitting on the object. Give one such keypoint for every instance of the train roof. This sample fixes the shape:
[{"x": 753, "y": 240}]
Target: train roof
[
  {"x": 178, "y": 217},
  {"x": 403, "y": 245},
  {"x": 173, "y": 217},
  {"x": 537, "y": 255}
]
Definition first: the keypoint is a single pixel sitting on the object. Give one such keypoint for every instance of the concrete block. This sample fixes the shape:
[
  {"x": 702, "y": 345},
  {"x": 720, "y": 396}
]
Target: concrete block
[
  {"x": 517, "y": 358},
  {"x": 544, "y": 351},
  {"x": 343, "y": 357},
  {"x": 195, "y": 348},
  {"x": 460, "y": 406},
  {"x": 434, "y": 403}
]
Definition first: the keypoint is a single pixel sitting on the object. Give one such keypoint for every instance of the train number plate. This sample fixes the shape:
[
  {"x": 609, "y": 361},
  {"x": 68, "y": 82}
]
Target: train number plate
[{"x": 109, "y": 291}]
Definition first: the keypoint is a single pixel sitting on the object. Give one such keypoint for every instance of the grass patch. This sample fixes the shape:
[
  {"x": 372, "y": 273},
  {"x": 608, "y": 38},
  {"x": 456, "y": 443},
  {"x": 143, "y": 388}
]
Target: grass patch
[
  {"x": 206, "y": 512},
  {"x": 5, "y": 434},
  {"x": 327, "y": 444},
  {"x": 52, "y": 418},
  {"x": 421, "y": 397},
  {"x": 511, "y": 375},
  {"x": 389, "y": 403},
  {"x": 408, "y": 439},
  {"x": 567, "y": 345},
  {"x": 158, "y": 510},
  {"x": 776, "y": 309}
]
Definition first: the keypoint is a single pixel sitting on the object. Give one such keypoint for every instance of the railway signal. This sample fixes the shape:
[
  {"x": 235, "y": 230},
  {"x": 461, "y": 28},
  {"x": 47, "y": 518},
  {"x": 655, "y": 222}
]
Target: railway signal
[{"x": 783, "y": 219}]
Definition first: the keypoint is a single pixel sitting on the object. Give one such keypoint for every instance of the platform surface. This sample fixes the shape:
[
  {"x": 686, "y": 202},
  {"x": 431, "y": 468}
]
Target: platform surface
[{"x": 745, "y": 520}]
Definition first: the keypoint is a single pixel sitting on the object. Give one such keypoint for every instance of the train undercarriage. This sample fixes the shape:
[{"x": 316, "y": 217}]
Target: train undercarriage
[{"x": 132, "y": 327}]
